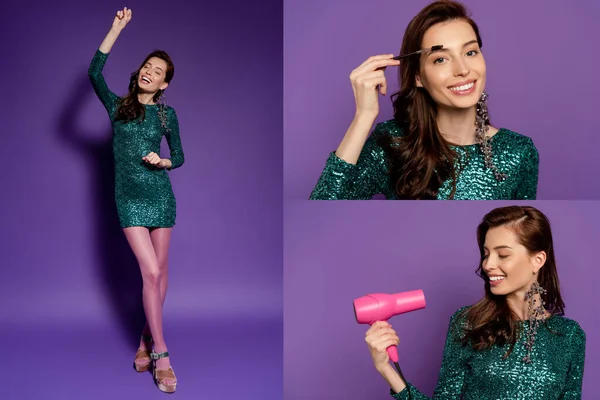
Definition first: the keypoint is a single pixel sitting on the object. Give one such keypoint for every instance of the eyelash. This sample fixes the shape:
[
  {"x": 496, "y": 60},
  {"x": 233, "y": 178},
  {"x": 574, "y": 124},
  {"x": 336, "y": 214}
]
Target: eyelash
[
  {"x": 500, "y": 257},
  {"x": 470, "y": 51},
  {"x": 148, "y": 67}
]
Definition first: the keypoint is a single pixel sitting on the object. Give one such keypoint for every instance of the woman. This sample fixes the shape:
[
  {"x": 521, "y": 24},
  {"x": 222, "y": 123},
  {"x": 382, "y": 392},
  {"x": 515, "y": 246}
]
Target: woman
[
  {"x": 145, "y": 201},
  {"x": 514, "y": 343},
  {"x": 440, "y": 144}
]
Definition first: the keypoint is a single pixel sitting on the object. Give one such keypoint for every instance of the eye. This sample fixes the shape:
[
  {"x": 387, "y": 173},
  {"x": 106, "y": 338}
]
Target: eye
[
  {"x": 438, "y": 60},
  {"x": 472, "y": 53},
  {"x": 502, "y": 256}
]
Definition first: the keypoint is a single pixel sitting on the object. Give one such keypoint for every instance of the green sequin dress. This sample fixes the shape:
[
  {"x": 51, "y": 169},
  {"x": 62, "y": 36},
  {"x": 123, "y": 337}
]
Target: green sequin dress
[
  {"x": 143, "y": 193},
  {"x": 556, "y": 370},
  {"x": 513, "y": 154}
]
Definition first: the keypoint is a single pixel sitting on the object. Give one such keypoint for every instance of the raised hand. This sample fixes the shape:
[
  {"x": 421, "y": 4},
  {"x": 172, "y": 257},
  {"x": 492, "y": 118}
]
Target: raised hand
[
  {"x": 122, "y": 18},
  {"x": 379, "y": 337},
  {"x": 368, "y": 80}
]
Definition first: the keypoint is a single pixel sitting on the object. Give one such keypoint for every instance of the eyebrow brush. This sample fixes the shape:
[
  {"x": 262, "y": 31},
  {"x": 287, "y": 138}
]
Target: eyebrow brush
[{"x": 432, "y": 49}]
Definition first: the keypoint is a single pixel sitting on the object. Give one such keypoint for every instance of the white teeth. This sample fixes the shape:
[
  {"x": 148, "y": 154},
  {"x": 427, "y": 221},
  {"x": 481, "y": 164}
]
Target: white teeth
[
  {"x": 146, "y": 80},
  {"x": 463, "y": 87},
  {"x": 496, "y": 278}
]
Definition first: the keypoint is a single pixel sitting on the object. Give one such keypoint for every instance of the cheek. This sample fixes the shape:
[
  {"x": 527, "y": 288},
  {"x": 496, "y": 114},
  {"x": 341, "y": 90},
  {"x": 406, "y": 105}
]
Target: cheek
[
  {"x": 436, "y": 77},
  {"x": 480, "y": 66},
  {"x": 519, "y": 270}
]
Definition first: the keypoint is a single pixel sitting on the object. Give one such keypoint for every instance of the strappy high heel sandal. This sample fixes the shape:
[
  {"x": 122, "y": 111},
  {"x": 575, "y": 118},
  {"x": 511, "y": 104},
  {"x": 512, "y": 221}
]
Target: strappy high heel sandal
[
  {"x": 142, "y": 360},
  {"x": 161, "y": 375}
]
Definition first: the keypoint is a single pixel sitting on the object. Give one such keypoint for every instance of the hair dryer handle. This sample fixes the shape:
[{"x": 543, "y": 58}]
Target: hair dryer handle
[{"x": 393, "y": 353}]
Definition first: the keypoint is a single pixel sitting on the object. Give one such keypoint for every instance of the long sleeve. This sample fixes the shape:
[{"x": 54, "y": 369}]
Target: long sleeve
[
  {"x": 361, "y": 181},
  {"x": 528, "y": 174},
  {"x": 574, "y": 383},
  {"x": 174, "y": 140},
  {"x": 105, "y": 95},
  {"x": 452, "y": 373}
]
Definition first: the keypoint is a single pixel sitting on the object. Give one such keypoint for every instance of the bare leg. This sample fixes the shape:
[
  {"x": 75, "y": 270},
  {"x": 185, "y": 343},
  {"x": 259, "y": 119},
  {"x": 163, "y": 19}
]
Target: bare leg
[
  {"x": 141, "y": 244},
  {"x": 161, "y": 239}
]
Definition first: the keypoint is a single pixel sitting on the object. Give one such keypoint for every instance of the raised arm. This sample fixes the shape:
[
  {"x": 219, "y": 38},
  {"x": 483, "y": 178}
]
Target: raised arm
[
  {"x": 338, "y": 180},
  {"x": 368, "y": 81},
  {"x": 119, "y": 23},
  {"x": 106, "y": 96}
]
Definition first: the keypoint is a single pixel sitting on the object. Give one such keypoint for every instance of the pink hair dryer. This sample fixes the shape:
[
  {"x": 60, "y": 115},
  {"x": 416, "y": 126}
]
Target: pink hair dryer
[{"x": 381, "y": 307}]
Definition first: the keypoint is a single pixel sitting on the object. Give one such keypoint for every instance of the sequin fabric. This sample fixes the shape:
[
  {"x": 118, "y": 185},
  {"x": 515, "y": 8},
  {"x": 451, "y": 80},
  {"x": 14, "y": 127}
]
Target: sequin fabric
[
  {"x": 556, "y": 371},
  {"x": 513, "y": 154},
  {"x": 143, "y": 193}
]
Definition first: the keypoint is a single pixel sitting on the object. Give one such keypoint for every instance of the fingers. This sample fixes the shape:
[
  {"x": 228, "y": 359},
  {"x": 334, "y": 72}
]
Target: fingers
[
  {"x": 372, "y": 83},
  {"x": 376, "y": 58},
  {"x": 377, "y": 326},
  {"x": 380, "y": 331},
  {"x": 125, "y": 13},
  {"x": 374, "y": 63},
  {"x": 383, "y": 340},
  {"x": 152, "y": 158},
  {"x": 382, "y": 346}
]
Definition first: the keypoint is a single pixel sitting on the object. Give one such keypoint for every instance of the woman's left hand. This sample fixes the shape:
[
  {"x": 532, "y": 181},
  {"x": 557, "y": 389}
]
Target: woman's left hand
[{"x": 153, "y": 159}]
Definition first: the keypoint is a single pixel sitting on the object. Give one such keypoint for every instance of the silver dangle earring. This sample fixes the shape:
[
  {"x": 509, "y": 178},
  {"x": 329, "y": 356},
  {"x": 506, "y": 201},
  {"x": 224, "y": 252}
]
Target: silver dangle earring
[
  {"x": 536, "y": 312},
  {"x": 162, "y": 110},
  {"x": 482, "y": 119}
]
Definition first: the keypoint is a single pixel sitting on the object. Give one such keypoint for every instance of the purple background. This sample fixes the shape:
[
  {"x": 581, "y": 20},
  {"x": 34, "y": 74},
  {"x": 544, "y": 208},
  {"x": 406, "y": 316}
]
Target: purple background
[
  {"x": 542, "y": 80},
  {"x": 336, "y": 252},
  {"x": 71, "y": 292}
]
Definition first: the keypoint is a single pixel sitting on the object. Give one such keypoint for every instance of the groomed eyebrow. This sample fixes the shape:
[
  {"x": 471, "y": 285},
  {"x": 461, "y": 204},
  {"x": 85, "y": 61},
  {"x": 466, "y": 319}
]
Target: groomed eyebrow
[
  {"x": 447, "y": 50},
  {"x": 499, "y": 247},
  {"x": 149, "y": 63}
]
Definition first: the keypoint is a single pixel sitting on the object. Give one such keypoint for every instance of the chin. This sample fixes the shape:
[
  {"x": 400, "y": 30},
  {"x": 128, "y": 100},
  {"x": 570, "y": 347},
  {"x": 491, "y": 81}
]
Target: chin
[
  {"x": 464, "y": 104},
  {"x": 498, "y": 292}
]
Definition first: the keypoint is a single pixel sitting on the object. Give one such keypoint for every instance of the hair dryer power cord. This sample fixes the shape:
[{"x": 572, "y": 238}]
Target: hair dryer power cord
[{"x": 404, "y": 379}]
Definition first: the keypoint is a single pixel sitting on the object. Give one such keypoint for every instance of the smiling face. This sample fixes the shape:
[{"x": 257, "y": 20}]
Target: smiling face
[
  {"x": 507, "y": 264},
  {"x": 455, "y": 75},
  {"x": 152, "y": 76}
]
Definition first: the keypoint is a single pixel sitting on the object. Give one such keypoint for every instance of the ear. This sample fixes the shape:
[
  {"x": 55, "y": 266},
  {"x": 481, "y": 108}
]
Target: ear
[
  {"x": 164, "y": 86},
  {"x": 538, "y": 260},
  {"x": 418, "y": 81}
]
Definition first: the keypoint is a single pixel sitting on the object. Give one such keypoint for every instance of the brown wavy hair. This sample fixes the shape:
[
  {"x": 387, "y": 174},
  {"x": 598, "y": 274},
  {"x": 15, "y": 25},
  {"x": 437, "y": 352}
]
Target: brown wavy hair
[
  {"x": 130, "y": 107},
  {"x": 421, "y": 160},
  {"x": 490, "y": 321}
]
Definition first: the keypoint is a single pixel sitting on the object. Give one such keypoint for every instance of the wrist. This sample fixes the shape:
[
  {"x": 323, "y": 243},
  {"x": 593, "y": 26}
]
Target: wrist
[
  {"x": 365, "y": 116},
  {"x": 384, "y": 369},
  {"x": 115, "y": 30}
]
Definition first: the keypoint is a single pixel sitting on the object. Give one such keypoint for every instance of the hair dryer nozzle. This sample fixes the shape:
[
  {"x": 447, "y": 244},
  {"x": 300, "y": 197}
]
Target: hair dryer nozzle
[{"x": 381, "y": 306}]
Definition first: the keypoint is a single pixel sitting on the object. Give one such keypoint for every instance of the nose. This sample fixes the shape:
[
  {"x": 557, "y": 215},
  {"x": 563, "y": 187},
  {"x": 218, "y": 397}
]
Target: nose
[
  {"x": 460, "y": 67},
  {"x": 487, "y": 265}
]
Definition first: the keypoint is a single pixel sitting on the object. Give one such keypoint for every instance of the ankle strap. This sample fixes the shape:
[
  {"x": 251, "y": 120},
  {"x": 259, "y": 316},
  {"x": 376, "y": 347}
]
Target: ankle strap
[
  {"x": 146, "y": 338},
  {"x": 156, "y": 356}
]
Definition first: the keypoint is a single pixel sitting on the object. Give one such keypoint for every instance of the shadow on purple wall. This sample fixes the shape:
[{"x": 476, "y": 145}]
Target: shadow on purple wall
[{"x": 116, "y": 264}]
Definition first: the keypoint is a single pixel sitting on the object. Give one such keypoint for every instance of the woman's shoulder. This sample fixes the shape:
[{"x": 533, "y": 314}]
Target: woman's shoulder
[
  {"x": 170, "y": 110},
  {"x": 567, "y": 326},
  {"x": 514, "y": 138},
  {"x": 459, "y": 317}
]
